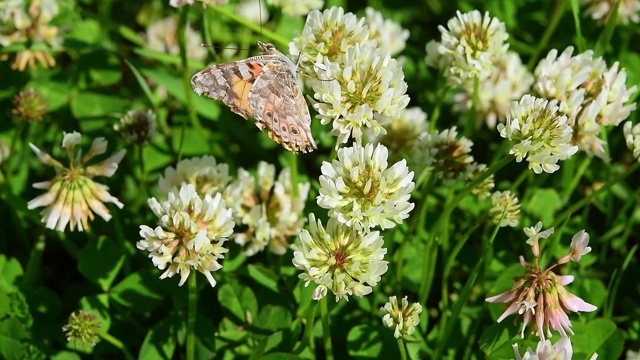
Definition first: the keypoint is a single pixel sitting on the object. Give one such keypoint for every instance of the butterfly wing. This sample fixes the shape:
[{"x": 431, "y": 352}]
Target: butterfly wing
[
  {"x": 278, "y": 105},
  {"x": 229, "y": 82}
]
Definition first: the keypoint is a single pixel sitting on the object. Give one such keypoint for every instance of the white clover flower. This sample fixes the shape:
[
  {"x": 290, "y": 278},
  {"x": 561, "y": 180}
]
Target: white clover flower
[
  {"x": 161, "y": 36},
  {"x": 389, "y": 35},
  {"x": 579, "y": 245},
  {"x": 327, "y": 35},
  {"x": 297, "y": 7},
  {"x": 541, "y": 133},
  {"x": 403, "y": 320},
  {"x": 362, "y": 192},
  {"x": 534, "y": 234},
  {"x": 469, "y": 47},
  {"x": 191, "y": 234},
  {"x": 402, "y": 135},
  {"x": 447, "y": 156},
  {"x": 508, "y": 80},
  {"x": 137, "y": 127},
  {"x": 628, "y": 10},
  {"x": 270, "y": 212},
  {"x": 632, "y": 138},
  {"x": 507, "y": 203},
  {"x": 339, "y": 259},
  {"x": 483, "y": 189},
  {"x": 633, "y": 355},
  {"x": 204, "y": 173},
  {"x": 561, "y": 350},
  {"x": 72, "y": 196},
  {"x": 363, "y": 88},
  {"x": 254, "y": 10}
]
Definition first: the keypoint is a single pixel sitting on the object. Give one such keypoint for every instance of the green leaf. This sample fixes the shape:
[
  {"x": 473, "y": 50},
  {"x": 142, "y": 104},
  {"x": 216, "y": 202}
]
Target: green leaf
[
  {"x": 280, "y": 356},
  {"x": 365, "y": 342},
  {"x": 264, "y": 277},
  {"x": 239, "y": 300},
  {"x": 496, "y": 342},
  {"x": 10, "y": 271},
  {"x": 100, "y": 261},
  {"x": 93, "y": 104},
  {"x": 160, "y": 341},
  {"x": 13, "y": 337},
  {"x": 138, "y": 291},
  {"x": 87, "y": 31},
  {"x": 598, "y": 336},
  {"x": 543, "y": 205},
  {"x": 273, "y": 318}
]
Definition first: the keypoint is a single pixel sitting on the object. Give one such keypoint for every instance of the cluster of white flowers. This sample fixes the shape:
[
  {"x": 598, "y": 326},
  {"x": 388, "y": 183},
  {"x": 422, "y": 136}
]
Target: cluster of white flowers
[
  {"x": 359, "y": 85},
  {"x": 30, "y": 22},
  {"x": 446, "y": 156},
  {"x": 161, "y": 36},
  {"x": 632, "y": 138},
  {"x": 541, "y": 133},
  {"x": 588, "y": 94},
  {"x": 402, "y": 136},
  {"x": 137, "y": 127},
  {"x": 504, "y": 202},
  {"x": 628, "y": 10},
  {"x": 402, "y": 319},
  {"x": 204, "y": 173}
]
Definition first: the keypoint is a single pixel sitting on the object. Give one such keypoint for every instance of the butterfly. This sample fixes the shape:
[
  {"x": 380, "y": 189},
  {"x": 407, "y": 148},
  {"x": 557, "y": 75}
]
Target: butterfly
[{"x": 267, "y": 88}]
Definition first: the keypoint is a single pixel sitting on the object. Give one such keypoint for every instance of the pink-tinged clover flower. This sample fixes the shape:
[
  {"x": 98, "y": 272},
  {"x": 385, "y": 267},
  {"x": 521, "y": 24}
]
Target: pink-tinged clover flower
[{"x": 540, "y": 295}]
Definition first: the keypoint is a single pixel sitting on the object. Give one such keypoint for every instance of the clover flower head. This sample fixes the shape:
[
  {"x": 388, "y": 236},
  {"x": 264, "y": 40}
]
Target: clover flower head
[
  {"x": 327, "y": 35},
  {"x": 362, "y": 192},
  {"x": 540, "y": 295},
  {"x": 271, "y": 213},
  {"x": 82, "y": 328},
  {"x": 507, "y": 203},
  {"x": 483, "y": 189},
  {"x": 161, "y": 37},
  {"x": 339, "y": 259},
  {"x": 204, "y": 173},
  {"x": 469, "y": 47},
  {"x": 601, "y": 10},
  {"x": 402, "y": 135},
  {"x": 632, "y": 138},
  {"x": 633, "y": 355},
  {"x": 363, "y": 88},
  {"x": 137, "y": 127},
  {"x": 402, "y": 319},
  {"x": 388, "y": 34},
  {"x": 30, "y": 106},
  {"x": 72, "y": 196},
  {"x": 447, "y": 156},
  {"x": 191, "y": 235},
  {"x": 29, "y": 22},
  {"x": 508, "y": 80},
  {"x": 561, "y": 350},
  {"x": 297, "y": 7},
  {"x": 541, "y": 133}
]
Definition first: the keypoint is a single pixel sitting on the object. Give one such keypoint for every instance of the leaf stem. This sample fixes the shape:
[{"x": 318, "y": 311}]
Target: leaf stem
[
  {"x": 326, "y": 331},
  {"x": 191, "y": 316}
]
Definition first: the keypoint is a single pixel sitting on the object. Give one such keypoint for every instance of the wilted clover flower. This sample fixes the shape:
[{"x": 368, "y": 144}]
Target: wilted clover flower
[
  {"x": 402, "y": 319},
  {"x": 389, "y": 35},
  {"x": 297, "y": 7},
  {"x": 82, "y": 328},
  {"x": 446, "y": 156},
  {"x": 363, "y": 88},
  {"x": 507, "y": 203},
  {"x": 204, "y": 173},
  {"x": 508, "y": 80},
  {"x": 402, "y": 135},
  {"x": 628, "y": 10},
  {"x": 191, "y": 236},
  {"x": 632, "y": 138},
  {"x": 589, "y": 94},
  {"x": 72, "y": 196},
  {"x": 271, "y": 213},
  {"x": 362, "y": 192},
  {"x": 29, "y": 105},
  {"x": 29, "y": 22},
  {"x": 161, "y": 36},
  {"x": 137, "y": 127},
  {"x": 327, "y": 35},
  {"x": 469, "y": 47},
  {"x": 339, "y": 259},
  {"x": 541, "y": 133},
  {"x": 540, "y": 294}
]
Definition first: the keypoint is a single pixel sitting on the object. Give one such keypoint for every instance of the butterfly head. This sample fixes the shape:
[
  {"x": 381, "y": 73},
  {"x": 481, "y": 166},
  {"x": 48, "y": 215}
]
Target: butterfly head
[{"x": 267, "y": 49}]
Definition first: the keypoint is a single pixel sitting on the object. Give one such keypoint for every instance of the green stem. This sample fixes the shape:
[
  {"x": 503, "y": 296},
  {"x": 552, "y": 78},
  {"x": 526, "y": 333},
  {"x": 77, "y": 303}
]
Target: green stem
[
  {"x": 402, "y": 348},
  {"x": 186, "y": 79},
  {"x": 191, "y": 316},
  {"x": 586, "y": 200},
  {"x": 575, "y": 179},
  {"x": 293, "y": 167},
  {"x": 35, "y": 260},
  {"x": 117, "y": 343},
  {"x": 308, "y": 330},
  {"x": 553, "y": 24},
  {"x": 326, "y": 331},
  {"x": 471, "y": 122},
  {"x": 228, "y": 13},
  {"x": 143, "y": 174}
]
